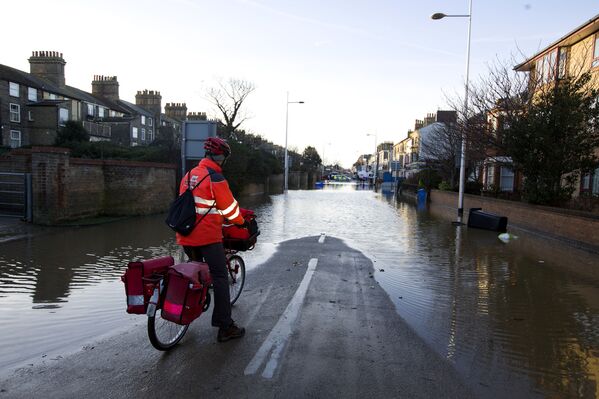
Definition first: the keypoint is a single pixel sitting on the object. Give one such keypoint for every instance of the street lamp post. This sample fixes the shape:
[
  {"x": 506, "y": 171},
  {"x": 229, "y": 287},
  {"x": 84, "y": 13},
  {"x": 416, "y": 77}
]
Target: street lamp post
[
  {"x": 376, "y": 159},
  {"x": 463, "y": 146},
  {"x": 286, "y": 130}
]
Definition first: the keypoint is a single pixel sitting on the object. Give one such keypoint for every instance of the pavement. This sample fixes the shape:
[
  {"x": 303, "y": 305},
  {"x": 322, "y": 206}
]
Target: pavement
[{"x": 318, "y": 326}]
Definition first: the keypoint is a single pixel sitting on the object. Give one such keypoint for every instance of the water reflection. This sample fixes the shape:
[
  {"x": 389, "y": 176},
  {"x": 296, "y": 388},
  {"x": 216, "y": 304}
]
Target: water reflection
[
  {"x": 517, "y": 320},
  {"x": 49, "y": 267}
]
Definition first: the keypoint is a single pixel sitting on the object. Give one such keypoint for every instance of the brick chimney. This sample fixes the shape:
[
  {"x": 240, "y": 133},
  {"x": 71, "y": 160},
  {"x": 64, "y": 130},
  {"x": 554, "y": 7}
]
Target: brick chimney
[
  {"x": 418, "y": 124},
  {"x": 176, "y": 110},
  {"x": 48, "y": 65},
  {"x": 106, "y": 87},
  {"x": 196, "y": 116},
  {"x": 430, "y": 119},
  {"x": 149, "y": 100}
]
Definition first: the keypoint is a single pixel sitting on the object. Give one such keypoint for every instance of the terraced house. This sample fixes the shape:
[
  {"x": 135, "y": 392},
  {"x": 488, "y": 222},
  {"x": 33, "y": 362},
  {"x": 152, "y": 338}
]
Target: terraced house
[
  {"x": 35, "y": 105},
  {"x": 574, "y": 53}
]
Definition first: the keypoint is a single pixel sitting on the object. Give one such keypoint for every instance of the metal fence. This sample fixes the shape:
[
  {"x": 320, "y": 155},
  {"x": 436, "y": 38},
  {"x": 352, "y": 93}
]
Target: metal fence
[{"x": 15, "y": 195}]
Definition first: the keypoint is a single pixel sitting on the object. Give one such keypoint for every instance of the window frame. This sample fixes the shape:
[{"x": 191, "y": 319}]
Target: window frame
[
  {"x": 11, "y": 88},
  {"x": 134, "y": 132},
  {"x": 143, "y": 134},
  {"x": 595, "y": 57},
  {"x": 490, "y": 176},
  {"x": 11, "y": 138},
  {"x": 143, "y": 119},
  {"x": 503, "y": 168},
  {"x": 31, "y": 90},
  {"x": 17, "y": 113},
  {"x": 61, "y": 119}
]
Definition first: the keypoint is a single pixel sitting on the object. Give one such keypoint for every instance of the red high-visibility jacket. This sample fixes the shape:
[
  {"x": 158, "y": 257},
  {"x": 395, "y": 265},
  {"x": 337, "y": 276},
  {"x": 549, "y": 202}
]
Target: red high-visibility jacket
[{"x": 214, "y": 190}]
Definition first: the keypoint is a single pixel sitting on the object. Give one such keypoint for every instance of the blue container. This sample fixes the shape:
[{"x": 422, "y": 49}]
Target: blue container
[{"x": 421, "y": 195}]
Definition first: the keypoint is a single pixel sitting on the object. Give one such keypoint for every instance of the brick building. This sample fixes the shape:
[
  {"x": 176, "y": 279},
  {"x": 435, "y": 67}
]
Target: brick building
[{"x": 34, "y": 105}]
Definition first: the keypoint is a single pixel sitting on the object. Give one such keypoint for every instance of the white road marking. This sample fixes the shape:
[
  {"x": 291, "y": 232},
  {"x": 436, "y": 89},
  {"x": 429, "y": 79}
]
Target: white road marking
[
  {"x": 321, "y": 239},
  {"x": 281, "y": 332}
]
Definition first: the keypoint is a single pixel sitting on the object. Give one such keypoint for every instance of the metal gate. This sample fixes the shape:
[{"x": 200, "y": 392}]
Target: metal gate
[{"x": 15, "y": 195}]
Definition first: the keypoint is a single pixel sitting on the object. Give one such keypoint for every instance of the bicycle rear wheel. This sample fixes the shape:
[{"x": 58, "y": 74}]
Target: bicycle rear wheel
[
  {"x": 236, "y": 267},
  {"x": 164, "y": 334}
]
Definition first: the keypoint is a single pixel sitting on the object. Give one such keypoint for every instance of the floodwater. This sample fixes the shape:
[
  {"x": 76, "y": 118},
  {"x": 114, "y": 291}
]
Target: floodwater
[{"x": 518, "y": 319}]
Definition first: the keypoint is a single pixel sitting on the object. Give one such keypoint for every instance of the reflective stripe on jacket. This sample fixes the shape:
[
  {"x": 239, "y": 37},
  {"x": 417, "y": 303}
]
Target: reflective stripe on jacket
[{"x": 213, "y": 192}]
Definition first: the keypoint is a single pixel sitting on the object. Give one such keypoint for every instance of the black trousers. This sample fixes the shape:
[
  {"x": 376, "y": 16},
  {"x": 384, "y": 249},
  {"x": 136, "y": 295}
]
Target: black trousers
[{"x": 214, "y": 255}]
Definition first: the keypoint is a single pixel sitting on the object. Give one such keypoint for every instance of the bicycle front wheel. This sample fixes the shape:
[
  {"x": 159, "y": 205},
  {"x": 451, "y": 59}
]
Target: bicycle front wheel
[
  {"x": 236, "y": 267},
  {"x": 164, "y": 334}
]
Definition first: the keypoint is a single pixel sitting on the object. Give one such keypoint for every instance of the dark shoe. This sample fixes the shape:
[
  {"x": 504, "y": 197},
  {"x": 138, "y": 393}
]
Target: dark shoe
[{"x": 231, "y": 332}]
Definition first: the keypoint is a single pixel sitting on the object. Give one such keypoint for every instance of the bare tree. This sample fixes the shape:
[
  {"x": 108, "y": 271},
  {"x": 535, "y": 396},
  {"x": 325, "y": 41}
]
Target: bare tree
[{"x": 229, "y": 97}]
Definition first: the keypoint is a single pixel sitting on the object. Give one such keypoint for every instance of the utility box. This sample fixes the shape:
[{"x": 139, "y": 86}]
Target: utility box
[{"x": 487, "y": 221}]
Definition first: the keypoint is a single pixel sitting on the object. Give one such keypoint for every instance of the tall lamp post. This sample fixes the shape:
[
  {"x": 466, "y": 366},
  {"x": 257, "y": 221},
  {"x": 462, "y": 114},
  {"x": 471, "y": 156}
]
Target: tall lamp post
[
  {"x": 440, "y": 15},
  {"x": 376, "y": 159},
  {"x": 286, "y": 130}
]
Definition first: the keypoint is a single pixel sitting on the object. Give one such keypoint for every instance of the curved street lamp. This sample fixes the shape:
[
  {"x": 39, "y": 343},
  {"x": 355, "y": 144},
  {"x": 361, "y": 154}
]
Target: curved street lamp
[
  {"x": 440, "y": 15},
  {"x": 286, "y": 129}
]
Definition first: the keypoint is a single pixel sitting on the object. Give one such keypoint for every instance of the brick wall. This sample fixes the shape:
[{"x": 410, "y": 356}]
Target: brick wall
[
  {"x": 578, "y": 228},
  {"x": 66, "y": 188},
  {"x": 138, "y": 188}
]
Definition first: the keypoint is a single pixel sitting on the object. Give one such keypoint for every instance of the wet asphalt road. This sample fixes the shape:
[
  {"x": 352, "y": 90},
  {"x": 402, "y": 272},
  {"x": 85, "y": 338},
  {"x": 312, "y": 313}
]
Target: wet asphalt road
[{"x": 341, "y": 337}]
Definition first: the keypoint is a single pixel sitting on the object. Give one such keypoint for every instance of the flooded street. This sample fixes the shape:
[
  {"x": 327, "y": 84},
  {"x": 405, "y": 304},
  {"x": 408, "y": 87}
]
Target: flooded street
[{"x": 518, "y": 319}]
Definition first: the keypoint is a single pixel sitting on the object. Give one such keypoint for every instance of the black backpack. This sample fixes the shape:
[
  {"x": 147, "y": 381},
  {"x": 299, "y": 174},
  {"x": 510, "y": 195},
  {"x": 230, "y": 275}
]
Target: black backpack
[{"x": 182, "y": 212}]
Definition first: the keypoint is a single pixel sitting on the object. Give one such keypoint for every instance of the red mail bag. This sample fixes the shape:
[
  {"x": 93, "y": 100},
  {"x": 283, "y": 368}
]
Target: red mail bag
[
  {"x": 140, "y": 280},
  {"x": 186, "y": 291}
]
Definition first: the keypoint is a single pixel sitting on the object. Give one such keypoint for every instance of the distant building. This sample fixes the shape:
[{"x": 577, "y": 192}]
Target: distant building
[{"x": 413, "y": 152}]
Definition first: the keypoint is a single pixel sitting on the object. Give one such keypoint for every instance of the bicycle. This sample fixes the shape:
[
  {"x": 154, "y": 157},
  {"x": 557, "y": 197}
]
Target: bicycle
[{"x": 164, "y": 334}]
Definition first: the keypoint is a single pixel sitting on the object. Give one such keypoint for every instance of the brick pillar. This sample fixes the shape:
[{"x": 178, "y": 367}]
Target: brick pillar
[{"x": 48, "y": 172}]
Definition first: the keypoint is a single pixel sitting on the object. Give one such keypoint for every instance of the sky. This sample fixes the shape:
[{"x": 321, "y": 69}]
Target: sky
[{"x": 365, "y": 69}]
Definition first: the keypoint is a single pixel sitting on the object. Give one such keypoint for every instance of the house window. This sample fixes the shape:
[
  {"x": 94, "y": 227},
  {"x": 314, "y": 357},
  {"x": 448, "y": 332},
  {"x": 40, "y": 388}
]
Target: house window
[
  {"x": 15, "y": 113},
  {"x": 112, "y": 113},
  {"x": 149, "y": 121},
  {"x": 63, "y": 116},
  {"x": 596, "y": 52},
  {"x": 31, "y": 94},
  {"x": 546, "y": 67},
  {"x": 13, "y": 89},
  {"x": 30, "y": 116},
  {"x": 134, "y": 132},
  {"x": 90, "y": 109},
  {"x": 143, "y": 120},
  {"x": 150, "y": 135},
  {"x": 490, "y": 176},
  {"x": 590, "y": 183},
  {"x": 15, "y": 138},
  {"x": 53, "y": 96},
  {"x": 143, "y": 134},
  {"x": 506, "y": 179},
  {"x": 562, "y": 61}
]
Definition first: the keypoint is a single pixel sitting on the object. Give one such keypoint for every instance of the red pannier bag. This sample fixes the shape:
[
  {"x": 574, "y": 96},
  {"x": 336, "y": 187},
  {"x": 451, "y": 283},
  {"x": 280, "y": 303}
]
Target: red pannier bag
[
  {"x": 140, "y": 281},
  {"x": 241, "y": 239},
  {"x": 186, "y": 291}
]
